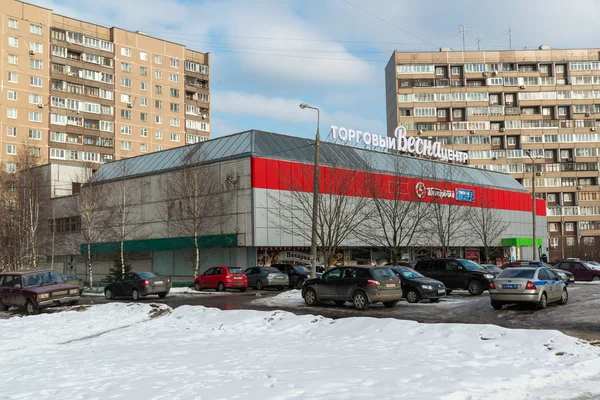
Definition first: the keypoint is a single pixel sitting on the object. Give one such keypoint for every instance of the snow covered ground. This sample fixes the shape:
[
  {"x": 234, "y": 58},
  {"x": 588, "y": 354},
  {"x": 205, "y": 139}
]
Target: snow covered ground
[
  {"x": 147, "y": 351},
  {"x": 178, "y": 291}
]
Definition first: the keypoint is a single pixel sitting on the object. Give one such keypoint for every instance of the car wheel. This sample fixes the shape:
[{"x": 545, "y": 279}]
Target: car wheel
[
  {"x": 74, "y": 302},
  {"x": 162, "y": 295},
  {"x": 564, "y": 298},
  {"x": 475, "y": 287},
  {"x": 299, "y": 283},
  {"x": 390, "y": 304},
  {"x": 31, "y": 309},
  {"x": 280, "y": 288},
  {"x": 109, "y": 294},
  {"x": 243, "y": 289},
  {"x": 413, "y": 296},
  {"x": 3, "y": 307},
  {"x": 360, "y": 301},
  {"x": 310, "y": 297},
  {"x": 497, "y": 305},
  {"x": 448, "y": 291},
  {"x": 596, "y": 278},
  {"x": 135, "y": 295},
  {"x": 434, "y": 300},
  {"x": 259, "y": 285},
  {"x": 197, "y": 286},
  {"x": 221, "y": 287},
  {"x": 543, "y": 302},
  {"x": 339, "y": 303}
]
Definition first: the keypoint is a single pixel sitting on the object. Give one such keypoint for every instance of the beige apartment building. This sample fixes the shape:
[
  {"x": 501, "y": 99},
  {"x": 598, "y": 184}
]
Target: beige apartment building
[
  {"x": 534, "y": 114},
  {"x": 76, "y": 92}
]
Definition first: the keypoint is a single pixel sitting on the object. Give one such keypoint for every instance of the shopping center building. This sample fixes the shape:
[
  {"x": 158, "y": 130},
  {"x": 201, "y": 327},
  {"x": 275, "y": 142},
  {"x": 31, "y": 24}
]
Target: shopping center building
[{"x": 258, "y": 214}]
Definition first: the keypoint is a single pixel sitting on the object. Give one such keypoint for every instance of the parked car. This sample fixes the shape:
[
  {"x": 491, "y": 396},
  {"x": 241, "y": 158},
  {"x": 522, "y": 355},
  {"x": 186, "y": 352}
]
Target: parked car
[
  {"x": 75, "y": 281},
  {"x": 565, "y": 276},
  {"x": 297, "y": 274},
  {"x": 581, "y": 270},
  {"x": 264, "y": 277},
  {"x": 362, "y": 286},
  {"x": 222, "y": 278},
  {"x": 457, "y": 273},
  {"x": 538, "y": 285},
  {"x": 494, "y": 269},
  {"x": 594, "y": 263},
  {"x": 34, "y": 290},
  {"x": 416, "y": 287},
  {"x": 137, "y": 285}
]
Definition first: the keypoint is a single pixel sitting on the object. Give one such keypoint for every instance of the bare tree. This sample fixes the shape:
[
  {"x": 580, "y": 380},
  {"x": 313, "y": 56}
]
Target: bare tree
[
  {"x": 193, "y": 195},
  {"x": 487, "y": 225},
  {"x": 398, "y": 213},
  {"x": 340, "y": 211}
]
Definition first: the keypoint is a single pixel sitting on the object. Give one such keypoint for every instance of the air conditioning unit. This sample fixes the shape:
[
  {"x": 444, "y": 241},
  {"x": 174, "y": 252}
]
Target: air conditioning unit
[
  {"x": 522, "y": 86},
  {"x": 538, "y": 174},
  {"x": 587, "y": 114},
  {"x": 129, "y": 105},
  {"x": 40, "y": 105},
  {"x": 502, "y": 129},
  {"x": 485, "y": 74},
  {"x": 495, "y": 73},
  {"x": 494, "y": 158},
  {"x": 579, "y": 187},
  {"x": 472, "y": 131},
  {"x": 32, "y": 52},
  {"x": 593, "y": 129},
  {"x": 420, "y": 131}
]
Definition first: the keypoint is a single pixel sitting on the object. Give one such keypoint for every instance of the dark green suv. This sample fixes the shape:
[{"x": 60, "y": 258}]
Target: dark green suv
[{"x": 457, "y": 273}]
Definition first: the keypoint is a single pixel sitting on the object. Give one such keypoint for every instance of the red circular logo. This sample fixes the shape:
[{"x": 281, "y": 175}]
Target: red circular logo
[{"x": 420, "y": 190}]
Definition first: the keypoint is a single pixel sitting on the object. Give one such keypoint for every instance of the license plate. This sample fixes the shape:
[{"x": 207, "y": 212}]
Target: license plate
[
  {"x": 441, "y": 290},
  {"x": 390, "y": 285},
  {"x": 279, "y": 277},
  {"x": 62, "y": 292},
  {"x": 510, "y": 286},
  {"x": 158, "y": 282},
  {"x": 237, "y": 277}
]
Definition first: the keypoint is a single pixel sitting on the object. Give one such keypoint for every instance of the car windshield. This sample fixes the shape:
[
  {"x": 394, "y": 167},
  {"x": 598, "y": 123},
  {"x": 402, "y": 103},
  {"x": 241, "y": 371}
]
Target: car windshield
[
  {"x": 517, "y": 273},
  {"x": 383, "y": 273},
  {"x": 594, "y": 263},
  {"x": 235, "y": 270},
  {"x": 42, "y": 278},
  {"x": 69, "y": 278},
  {"x": 590, "y": 265},
  {"x": 408, "y": 273},
  {"x": 272, "y": 270},
  {"x": 301, "y": 269},
  {"x": 147, "y": 275},
  {"x": 470, "y": 265}
]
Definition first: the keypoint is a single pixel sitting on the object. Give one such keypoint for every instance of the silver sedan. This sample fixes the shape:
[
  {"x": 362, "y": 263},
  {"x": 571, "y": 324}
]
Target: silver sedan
[{"x": 527, "y": 285}]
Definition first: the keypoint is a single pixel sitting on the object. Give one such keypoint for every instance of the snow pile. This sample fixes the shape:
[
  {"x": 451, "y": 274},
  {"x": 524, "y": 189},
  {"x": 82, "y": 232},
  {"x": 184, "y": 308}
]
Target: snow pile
[
  {"x": 119, "y": 351},
  {"x": 291, "y": 298},
  {"x": 188, "y": 290}
]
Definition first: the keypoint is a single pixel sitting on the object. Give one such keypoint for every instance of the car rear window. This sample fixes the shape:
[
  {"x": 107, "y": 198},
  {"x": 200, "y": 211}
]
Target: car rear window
[
  {"x": 236, "y": 270},
  {"x": 383, "y": 273},
  {"x": 517, "y": 273},
  {"x": 146, "y": 275},
  {"x": 271, "y": 270},
  {"x": 301, "y": 269}
]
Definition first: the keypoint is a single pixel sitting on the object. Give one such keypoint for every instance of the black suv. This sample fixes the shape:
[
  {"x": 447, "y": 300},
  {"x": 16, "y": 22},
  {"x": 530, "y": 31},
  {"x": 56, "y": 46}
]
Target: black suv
[
  {"x": 296, "y": 273},
  {"x": 457, "y": 273},
  {"x": 360, "y": 285}
]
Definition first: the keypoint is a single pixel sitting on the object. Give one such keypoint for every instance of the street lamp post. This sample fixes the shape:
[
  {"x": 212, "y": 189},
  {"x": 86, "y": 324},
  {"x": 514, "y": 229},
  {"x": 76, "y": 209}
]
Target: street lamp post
[
  {"x": 534, "y": 245},
  {"x": 315, "y": 208}
]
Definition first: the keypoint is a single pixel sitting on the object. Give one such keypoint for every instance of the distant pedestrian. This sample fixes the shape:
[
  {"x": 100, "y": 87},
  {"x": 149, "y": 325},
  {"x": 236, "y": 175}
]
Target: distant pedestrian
[{"x": 544, "y": 258}]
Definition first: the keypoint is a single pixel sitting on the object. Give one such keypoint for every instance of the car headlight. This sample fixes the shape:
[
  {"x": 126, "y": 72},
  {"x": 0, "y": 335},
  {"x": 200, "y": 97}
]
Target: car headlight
[
  {"x": 43, "y": 295},
  {"x": 74, "y": 291},
  {"x": 427, "y": 287},
  {"x": 488, "y": 276}
]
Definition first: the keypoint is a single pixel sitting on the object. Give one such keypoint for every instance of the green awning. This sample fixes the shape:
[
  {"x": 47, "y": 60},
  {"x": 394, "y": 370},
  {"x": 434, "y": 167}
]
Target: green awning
[
  {"x": 508, "y": 242},
  {"x": 229, "y": 240}
]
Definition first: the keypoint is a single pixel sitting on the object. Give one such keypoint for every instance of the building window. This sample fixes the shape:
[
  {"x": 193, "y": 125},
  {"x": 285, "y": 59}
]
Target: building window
[
  {"x": 143, "y": 71},
  {"x": 143, "y": 86},
  {"x": 158, "y": 74},
  {"x": 174, "y": 107},
  {"x": 553, "y": 227},
  {"x": 511, "y": 140},
  {"x": 143, "y": 56},
  {"x": 143, "y": 147},
  {"x": 11, "y": 131},
  {"x": 158, "y": 119},
  {"x": 546, "y": 111},
  {"x": 158, "y": 134},
  {"x": 439, "y": 70},
  {"x": 143, "y": 132},
  {"x": 126, "y": 82},
  {"x": 174, "y": 92},
  {"x": 125, "y": 145},
  {"x": 144, "y": 117},
  {"x": 125, "y": 114},
  {"x": 36, "y": 47},
  {"x": 570, "y": 241},
  {"x": 143, "y": 102},
  {"x": 125, "y": 98},
  {"x": 11, "y": 149},
  {"x": 589, "y": 241},
  {"x": 35, "y": 29},
  {"x": 35, "y": 81},
  {"x": 564, "y": 154},
  {"x": 125, "y": 67},
  {"x": 562, "y": 111},
  {"x": 34, "y": 151},
  {"x": 13, "y": 23},
  {"x": 35, "y": 116},
  {"x": 174, "y": 78},
  {"x": 567, "y": 197},
  {"x": 551, "y": 198},
  {"x": 455, "y": 70},
  {"x": 13, "y": 59},
  {"x": 175, "y": 137},
  {"x": 175, "y": 122},
  {"x": 560, "y": 69},
  {"x": 158, "y": 59},
  {"x": 158, "y": 148},
  {"x": 544, "y": 68},
  {"x": 174, "y": 63},
  {"x": 125, "y": 51},
  {"x": 553, "y": 242},
  {"x": 11, "y": 113},
  {"x": 13, "y": 42},
  {"x": 13, "y": 77},
  {"x": 569, "y": 227},
  {"x": 457, "y": 113},
  {"x": 36, "y": 64},
  {"x": 125, "y": 130},
  {"x": 157, "y": 89},
  {"x": 158, "y": 103},
  {"x": 11, "y": 95},
  {"x": 11, "y": 168}
]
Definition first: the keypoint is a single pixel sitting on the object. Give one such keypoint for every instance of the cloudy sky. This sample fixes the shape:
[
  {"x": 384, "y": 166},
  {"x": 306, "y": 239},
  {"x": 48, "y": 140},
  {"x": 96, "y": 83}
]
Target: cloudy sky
[{"x": 267, "y": 56}]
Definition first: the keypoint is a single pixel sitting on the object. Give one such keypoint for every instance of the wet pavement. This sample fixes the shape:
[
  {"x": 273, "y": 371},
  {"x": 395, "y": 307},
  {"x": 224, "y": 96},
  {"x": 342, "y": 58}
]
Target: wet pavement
[{"x": 580, "y": 317}]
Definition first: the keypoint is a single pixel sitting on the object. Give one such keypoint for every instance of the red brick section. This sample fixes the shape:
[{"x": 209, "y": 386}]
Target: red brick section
[{"x": 287, "y": 175}]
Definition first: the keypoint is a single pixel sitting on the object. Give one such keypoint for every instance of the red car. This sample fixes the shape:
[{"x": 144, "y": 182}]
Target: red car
[
  {"x": 222, "y": 278},
  {"x": 580, "y": 269}
]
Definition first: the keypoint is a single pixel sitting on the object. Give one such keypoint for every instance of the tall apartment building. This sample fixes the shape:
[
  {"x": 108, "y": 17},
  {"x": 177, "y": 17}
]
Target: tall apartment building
[
  {"x": 83, "y": 93},
  {"x": 500, "y": 105}
]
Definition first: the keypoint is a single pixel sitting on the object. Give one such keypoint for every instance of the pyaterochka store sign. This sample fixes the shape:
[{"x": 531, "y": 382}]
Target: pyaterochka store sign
[{"x": 411, "y": 144}]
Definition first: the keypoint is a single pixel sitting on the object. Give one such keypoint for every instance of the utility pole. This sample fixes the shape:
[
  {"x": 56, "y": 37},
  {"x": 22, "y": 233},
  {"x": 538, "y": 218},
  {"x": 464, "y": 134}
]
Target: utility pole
[
  {"x": 462, "y": 29},
  {"x": 533, "y": 198},
  {"x": 509, "y": 32},
  {"x": 478, "y": 41}
]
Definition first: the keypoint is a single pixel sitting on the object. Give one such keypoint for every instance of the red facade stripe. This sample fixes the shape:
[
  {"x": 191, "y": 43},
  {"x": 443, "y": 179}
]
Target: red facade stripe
[{"x": 287, "y": 175}]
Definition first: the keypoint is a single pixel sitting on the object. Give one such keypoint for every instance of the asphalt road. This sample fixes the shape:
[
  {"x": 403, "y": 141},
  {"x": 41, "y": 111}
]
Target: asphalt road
[{"x": 580, "y": 317}]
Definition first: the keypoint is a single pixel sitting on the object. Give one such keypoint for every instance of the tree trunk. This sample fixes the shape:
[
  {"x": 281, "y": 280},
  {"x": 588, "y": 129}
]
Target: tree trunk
[
  {"x": 89, "y": 265},
  {"x": 122, "y": 258},
  {"x": 197, "y": 264}
]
